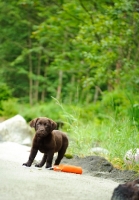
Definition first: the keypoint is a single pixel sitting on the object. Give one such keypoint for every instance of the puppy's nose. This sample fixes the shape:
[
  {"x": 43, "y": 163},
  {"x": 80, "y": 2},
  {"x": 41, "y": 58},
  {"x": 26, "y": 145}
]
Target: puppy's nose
[{"x": 41, "y": 128}]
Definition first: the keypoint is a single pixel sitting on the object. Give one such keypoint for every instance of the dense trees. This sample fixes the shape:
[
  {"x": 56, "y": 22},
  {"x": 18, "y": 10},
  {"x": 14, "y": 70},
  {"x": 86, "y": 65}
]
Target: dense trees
[{"x": 72, "y": 50}]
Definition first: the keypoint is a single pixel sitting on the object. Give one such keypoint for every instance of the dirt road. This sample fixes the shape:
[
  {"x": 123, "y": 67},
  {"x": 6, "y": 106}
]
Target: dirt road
[{"x": 22, "y": 183}]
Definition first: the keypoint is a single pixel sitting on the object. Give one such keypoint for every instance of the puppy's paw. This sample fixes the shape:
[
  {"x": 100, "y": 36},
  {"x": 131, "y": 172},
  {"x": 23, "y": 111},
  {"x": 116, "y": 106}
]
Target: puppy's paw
[
  {"x": 26, "y": 164},
  {"x": 38, "y": 165},
  {"x": 48, "y": 166}
]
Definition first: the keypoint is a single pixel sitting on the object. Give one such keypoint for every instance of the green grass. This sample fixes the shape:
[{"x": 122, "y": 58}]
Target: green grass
[{"x": 117, "y": 135}]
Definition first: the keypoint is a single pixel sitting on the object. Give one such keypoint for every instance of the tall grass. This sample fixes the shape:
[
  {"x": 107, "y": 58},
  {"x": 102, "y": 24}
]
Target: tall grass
[{"x": 117, "y": 135}]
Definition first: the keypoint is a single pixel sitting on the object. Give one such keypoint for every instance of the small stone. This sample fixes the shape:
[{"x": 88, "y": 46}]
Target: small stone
[{"x": 131, "y": 156}]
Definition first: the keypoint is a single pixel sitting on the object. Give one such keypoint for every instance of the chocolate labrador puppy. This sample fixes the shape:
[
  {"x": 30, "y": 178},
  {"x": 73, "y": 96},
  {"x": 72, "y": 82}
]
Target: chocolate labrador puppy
[
  {"x": 127, "y": 191},
  {"x": 48, "y": 141}
]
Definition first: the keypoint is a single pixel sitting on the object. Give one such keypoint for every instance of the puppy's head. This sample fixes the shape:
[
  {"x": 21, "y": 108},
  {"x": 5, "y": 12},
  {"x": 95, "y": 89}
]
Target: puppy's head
[{"x": 43, "y": 126}]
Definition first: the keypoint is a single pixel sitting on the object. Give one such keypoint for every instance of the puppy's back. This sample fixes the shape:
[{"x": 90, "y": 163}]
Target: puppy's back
[
  {"x": 127, "y": 191},
  {"x": 61, "y": 139}
]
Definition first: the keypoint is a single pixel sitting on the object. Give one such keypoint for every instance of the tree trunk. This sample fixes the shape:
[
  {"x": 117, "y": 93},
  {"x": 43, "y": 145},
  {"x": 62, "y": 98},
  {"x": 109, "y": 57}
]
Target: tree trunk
[
  {"x": 118, "y": 68},
  {"x": 43, "y": 96},
  {"x": 30, "y": 75},
  {"x": 37, "y": 81},
  {"x": 97, "y": 92},
  {"x": 44, "y": 86},
  {"x": 71, "y": 92},
  {"x": 59, "y": 88}
]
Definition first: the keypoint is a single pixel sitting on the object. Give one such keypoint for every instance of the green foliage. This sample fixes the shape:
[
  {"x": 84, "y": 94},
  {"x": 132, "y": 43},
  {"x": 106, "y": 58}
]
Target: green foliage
[
  {"x": 49, "y": 110},
  {"x": 5, "y": 92},
  {"x": 116, "y": 101},
  {"x": 133, "y": 113},
  {"x": 91, "y": 44},
  {"x": 9, "y": 108}
]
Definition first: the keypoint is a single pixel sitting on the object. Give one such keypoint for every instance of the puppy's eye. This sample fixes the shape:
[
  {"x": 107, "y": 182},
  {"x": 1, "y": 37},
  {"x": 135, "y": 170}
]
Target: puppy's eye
[
  {"x": 39, "y": 124},
  {"x": 45, "y": 124}
]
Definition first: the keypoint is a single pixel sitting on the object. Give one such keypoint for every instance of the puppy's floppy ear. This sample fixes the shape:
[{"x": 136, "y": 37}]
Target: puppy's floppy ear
[
  {"x": 52, "y": 124},
  {"x": 32, "y": 123}
]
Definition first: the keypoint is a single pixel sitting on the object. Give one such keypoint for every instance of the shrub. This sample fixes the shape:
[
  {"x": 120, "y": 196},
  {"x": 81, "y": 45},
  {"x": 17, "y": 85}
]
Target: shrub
[
  {"x": 9, "y": 108},
  {"x": 115, "y": 101},
  {"x": 5, "y": 93}
]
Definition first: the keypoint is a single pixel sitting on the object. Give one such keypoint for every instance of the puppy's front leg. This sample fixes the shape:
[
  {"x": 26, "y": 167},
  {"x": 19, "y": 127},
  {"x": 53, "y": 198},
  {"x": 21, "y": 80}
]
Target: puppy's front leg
[
  {"x": 49, "y": 159},
  {"x": 31, "y": 157}
]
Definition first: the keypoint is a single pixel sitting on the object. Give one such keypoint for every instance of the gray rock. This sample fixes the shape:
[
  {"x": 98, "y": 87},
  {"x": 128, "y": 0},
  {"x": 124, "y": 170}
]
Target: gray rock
[
  {"x": 16, "y": 130},
  {"x": 99, "y": 151}
]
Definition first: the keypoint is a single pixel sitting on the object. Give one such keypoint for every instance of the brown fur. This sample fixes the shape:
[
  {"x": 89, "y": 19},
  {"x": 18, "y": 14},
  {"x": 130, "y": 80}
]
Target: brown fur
[
  {"x": 127, "y": 191},
  {"x": 48, "y": 141}
]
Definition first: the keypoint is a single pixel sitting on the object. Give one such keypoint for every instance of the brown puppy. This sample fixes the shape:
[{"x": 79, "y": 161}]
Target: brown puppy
[
  {"x": 48, "y": 141},
  {"x": 127, "y": 191}
]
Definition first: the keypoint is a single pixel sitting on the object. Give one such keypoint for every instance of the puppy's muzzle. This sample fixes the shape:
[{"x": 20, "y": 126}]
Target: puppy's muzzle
[{"x": 41, "y": 132}]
